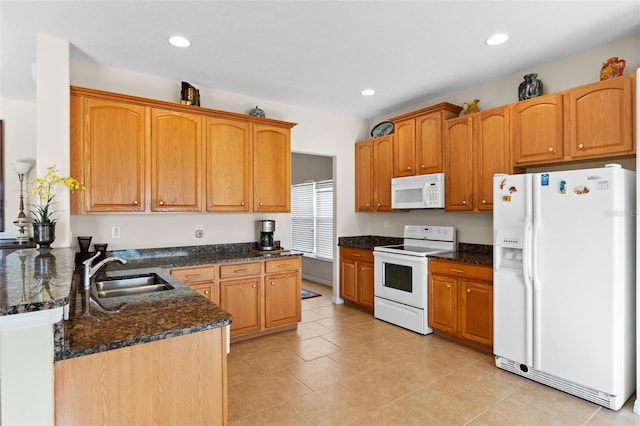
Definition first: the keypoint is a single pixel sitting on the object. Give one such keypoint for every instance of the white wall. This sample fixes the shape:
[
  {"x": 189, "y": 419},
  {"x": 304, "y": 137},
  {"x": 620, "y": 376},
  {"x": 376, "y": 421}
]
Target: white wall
[{"x": 582, "y": 68}]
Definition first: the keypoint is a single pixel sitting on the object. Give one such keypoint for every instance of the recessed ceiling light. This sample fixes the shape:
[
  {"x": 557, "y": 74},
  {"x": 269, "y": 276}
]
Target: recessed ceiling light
[
  {"x": 179, "y": 41},
  {"x": 368, "y": 92},
  {"x": 496, "y": 39}
]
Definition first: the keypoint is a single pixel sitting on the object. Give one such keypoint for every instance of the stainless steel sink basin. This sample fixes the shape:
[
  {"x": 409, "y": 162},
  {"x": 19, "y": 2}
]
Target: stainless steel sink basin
[{"x": 131, "y": 285}]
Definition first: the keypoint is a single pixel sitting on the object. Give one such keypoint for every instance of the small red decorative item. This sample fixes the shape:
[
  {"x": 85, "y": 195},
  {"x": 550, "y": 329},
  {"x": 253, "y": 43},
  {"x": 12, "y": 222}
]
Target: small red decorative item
[{"x": 613, "y": 67}]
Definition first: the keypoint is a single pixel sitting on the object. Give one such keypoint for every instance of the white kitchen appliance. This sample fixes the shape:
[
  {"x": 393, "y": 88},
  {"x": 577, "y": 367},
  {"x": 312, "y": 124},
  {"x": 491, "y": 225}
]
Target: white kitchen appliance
[
  {"x": 564, "y": 280},
  {"x": 401, "y": 274},
  {"x": 418, "y": 192}
]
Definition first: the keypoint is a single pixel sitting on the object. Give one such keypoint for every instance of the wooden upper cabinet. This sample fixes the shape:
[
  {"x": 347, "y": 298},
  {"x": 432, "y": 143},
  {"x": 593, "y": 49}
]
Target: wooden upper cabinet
[
  {"x": 538, "y": 130},
  {"x": 108, "y": 145},
  {"x": 404, "y": 149},
  {"x": 417, "y": 143},
  {"x": 364, "y": 176},
  {"x": 271, "y": 169},
  {"x": 374, "y": 170},
  {"x": 600, "y": 117},
  {"x": 176, "y": 156},
  {"x": 228, "y": 165},
  {"x": 459, "y": 164},
  {"x": 493, "y": 153}
]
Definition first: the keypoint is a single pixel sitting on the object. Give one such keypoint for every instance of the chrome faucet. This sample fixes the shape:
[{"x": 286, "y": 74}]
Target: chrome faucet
[{"x": 89, "y": 271}]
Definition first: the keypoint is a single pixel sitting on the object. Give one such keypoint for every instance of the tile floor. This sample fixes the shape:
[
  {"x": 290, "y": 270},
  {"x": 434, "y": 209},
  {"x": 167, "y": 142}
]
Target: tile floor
[{"x": 344, "y": 367}]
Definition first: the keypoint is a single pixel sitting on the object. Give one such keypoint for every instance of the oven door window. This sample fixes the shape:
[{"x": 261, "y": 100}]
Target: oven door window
[{"x": 398, "y": 277}]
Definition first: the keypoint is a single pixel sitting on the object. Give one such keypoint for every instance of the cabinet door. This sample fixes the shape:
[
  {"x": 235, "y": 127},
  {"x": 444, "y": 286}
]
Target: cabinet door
[
  {"x": 201, "y": 279},
  {"x": 537, "y": 130},
  {"x": 443, "y": 301},
  {"x": 404, "y": 148},
  {"x": 458, "y": 165},
  {"x": 208, "y": 290},
  {"x": 601, "y": 118},
  {"x": 282, "y": 301},
  {"x": 228, "y": 165},
  {"x": 365, "y": 284},
  {"x": 364, "y": 176},
  {"x": 271, "y": 169},
  {"x": 493, "y": 153},
  {"x": 348, "y": 283},
  {"x": 382, "y": 173},
  {"x": 241, "y": 298},
  {"x": 176, "y": 152},
  {"x": 476, "y": 311},
  {"x": 429, "y": 144},
  {"x": 113, "y": 145}
]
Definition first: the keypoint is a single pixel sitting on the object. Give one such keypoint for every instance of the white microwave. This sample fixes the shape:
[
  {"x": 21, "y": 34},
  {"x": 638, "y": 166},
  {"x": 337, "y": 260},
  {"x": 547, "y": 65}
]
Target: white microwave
[{"x": 418, "y": 192}]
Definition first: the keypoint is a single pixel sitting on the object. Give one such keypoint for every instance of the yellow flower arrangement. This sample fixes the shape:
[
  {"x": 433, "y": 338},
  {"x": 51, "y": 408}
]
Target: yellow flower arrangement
[{"x": 44, "y": 188}]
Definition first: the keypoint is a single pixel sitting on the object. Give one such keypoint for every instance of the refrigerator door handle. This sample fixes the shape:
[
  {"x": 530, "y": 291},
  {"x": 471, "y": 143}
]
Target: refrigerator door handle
[{"x": 535, "y": 277}]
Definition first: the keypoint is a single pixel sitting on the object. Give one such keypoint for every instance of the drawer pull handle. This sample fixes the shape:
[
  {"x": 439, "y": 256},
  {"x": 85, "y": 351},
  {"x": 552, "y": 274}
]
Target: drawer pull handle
[
  {"x": 240, "y": 270},
  {"x": 192, "y": 275},
  {"x": 355, "y": 255},
  {"x": 460, "y": 271}
]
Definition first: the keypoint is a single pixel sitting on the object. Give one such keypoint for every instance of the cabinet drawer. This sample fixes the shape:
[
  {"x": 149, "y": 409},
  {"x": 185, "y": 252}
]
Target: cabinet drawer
[
  {"x": 458, "y": 269},
  {"x": 356, "y": 254},
  {"x": 195, "y": 275},
  {"x": 282, "y": 265},
  {"x": 240, "y": 270}
]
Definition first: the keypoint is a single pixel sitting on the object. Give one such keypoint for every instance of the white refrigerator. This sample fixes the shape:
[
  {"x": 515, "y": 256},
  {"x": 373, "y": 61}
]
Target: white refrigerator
[{"x": 564, "y": 280}]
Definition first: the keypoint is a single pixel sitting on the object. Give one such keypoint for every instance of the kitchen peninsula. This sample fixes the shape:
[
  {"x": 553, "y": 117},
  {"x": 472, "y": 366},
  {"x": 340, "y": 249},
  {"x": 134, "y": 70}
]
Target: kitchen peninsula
[{"x": 111, "y": 361}]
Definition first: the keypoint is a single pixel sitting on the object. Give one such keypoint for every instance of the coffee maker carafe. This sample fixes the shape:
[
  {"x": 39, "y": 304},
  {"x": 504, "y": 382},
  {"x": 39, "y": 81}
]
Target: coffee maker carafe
[{"x": 267, "y": 228}]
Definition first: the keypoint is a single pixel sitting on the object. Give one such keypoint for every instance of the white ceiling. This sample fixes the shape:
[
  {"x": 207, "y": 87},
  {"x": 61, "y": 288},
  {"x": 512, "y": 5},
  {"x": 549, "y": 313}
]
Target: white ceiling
[{"x": 317, "y": 54}]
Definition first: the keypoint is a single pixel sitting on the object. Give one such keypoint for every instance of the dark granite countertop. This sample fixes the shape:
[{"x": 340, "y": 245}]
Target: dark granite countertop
[
  {"x": 39, "y": 279},
  {"x": 368, "y": 242},
  {"x": 478, "y": 254}
]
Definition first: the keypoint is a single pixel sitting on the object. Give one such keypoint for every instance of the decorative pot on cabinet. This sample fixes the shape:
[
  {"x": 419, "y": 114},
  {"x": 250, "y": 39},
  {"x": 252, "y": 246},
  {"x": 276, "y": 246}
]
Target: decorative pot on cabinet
[
  {"x": 530, "y": 87},
  {"x": 44, "y": 234},
  {"x": 612, "y": 67}
]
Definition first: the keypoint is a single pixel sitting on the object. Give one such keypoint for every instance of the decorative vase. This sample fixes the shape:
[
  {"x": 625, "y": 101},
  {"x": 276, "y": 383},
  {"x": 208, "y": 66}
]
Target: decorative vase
[
  {"x": 530, "y": 87},
  {"x": 613, "y": 67},
  {"x": 257, "y": 112},
  {"x": 44, "y": 234}
]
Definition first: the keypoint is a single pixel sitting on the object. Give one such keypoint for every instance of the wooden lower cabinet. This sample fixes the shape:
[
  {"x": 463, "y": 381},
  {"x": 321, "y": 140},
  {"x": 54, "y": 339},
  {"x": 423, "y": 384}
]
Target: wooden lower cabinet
[
  {"x": 356, "y": 276},
  {"x": 461, "y": 301},
  {"x": 179, "y": 380},
  {"x": 241, "y": 298},
  {"x": 202, "y": 279}
]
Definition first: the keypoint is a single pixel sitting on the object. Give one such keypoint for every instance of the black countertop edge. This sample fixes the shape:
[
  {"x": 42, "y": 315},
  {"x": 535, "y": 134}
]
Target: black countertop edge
[{"x": 368, "y": 242}]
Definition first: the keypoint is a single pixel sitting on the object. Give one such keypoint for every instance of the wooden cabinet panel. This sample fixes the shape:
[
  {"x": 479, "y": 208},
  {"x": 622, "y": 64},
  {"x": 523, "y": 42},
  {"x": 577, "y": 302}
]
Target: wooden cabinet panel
[
  {"x": 601, "y": 119},
  {"x": 348, "y": 277},
  {"x": 429, "y": 155},
  {"x": 538, "y": 130},
  {"x": 271, "y": 169},
  {"x": 148, "y": 383},
  {"x": 176, "y": 155},
  {"x": 235, "y": 270},
  {"x": 404, "y": 149},
  {"x": 112, "y": 133},
  {"x": 282, "y": 299},
  {"x": 201, "y": 279},
  {"x": 443, "y": 300},
  {"x": 458, "y": 165},
  {"x": 373, "y": 174},
  {"x": 356, "y": 276},
  {"x": 365, "y": 284},
  {"x": 228, "y": 165},
  {"x": 476, "y": 313},
  {"x": 364, "y": 176},
  {"x": 241, "y": 298},
  {"x": 461, "y": 301},
  {"x": 282, "y": 265}
]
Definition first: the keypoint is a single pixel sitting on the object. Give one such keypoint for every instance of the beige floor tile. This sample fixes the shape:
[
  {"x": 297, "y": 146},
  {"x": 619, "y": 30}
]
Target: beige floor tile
[
  {"x": 310, "y": 316},
  {"x": 334, "y": 405},
  {"x": 262, "y": 392},
  {"x": 271, "y": 360},
  {"x": 358, "y": 359},
  {"x": 315, "y": 347},
  {"x": 238, "y": 371},
  {"x": 568, "y": 408},
  {"x": 623, "y": 417},
  {"x": 320, "y": 372},
  {"x": 280, "y": 415},
  {"x": 311, "y": 329},
  {"x": 401, "y": 412},
  {"x": 513, "y": 412}
]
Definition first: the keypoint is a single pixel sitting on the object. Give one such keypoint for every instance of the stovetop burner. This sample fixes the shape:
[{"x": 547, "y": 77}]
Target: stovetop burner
[{"x": 423, "y": 241}]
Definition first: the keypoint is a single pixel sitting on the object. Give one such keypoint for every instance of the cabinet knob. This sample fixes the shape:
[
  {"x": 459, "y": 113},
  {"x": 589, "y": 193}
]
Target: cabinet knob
[
  {"x": 468, "y": 290},
  {"x": 253, "y": 286},
  {"x": 379, "y": 204},
  {"x": 260, "y": 203},
  {"x": 550, "y": 149},
  {"x": 408, "y": 167},
  {"x": 580, "y": 146},
  {"x": 464, "y": 202},
  {"x": 484, "y": 201},
  {"x": 422, "y": 166},
  {"x": 206, "y": 292},
  {"x": 161, "y": 203},
  {"x": 135, "y": 202},
  {"x": 367, "y": 204},
  {"x": 273, "y": 283},
  {"x": 242, "y": 203},
  {"x": 448, "y": 285}
]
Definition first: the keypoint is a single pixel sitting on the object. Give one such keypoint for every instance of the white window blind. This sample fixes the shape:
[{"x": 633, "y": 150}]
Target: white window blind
[{"x": 312, "y": 218}]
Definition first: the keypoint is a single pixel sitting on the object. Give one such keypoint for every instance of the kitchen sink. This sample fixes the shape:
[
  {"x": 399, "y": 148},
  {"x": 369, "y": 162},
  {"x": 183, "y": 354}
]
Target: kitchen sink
[{"x": 131, "y": 285}]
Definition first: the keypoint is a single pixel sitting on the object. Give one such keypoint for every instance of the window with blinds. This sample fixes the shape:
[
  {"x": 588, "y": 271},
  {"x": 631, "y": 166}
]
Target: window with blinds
[{"x": 312, "y": 218}]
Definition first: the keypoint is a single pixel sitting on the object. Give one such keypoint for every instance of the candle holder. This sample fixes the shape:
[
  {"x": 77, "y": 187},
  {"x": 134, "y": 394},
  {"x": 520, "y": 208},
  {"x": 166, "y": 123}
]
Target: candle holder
[{"x": 22, "y": 168}]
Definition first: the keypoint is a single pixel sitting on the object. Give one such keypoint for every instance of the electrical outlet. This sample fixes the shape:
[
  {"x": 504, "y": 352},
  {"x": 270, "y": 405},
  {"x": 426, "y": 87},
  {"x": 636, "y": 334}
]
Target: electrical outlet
[
  {"x": 199, "y": 228},
  {"x": 115, "y": 232}
]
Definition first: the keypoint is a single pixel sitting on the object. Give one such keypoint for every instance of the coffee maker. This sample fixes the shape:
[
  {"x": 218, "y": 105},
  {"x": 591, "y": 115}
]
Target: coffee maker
[{"x": 267, "y": 228}]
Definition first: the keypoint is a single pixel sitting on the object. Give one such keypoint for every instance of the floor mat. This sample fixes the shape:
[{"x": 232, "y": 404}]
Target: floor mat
[{"x": 308, "y": 294}]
